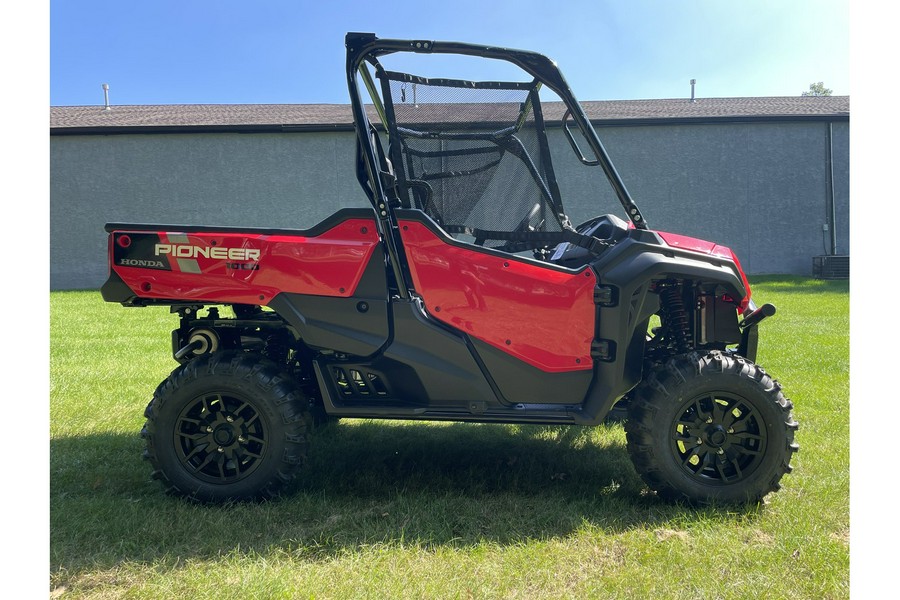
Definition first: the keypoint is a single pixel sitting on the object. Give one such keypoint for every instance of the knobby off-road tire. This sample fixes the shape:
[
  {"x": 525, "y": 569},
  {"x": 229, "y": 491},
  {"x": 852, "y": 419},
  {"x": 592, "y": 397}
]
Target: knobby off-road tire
[
  {"x": 227, "y": 426},
  {"x": 711, "y": 428}
]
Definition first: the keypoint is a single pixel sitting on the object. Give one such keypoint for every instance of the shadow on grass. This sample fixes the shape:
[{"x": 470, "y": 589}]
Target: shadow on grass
[{"x": 367, "y": 483}]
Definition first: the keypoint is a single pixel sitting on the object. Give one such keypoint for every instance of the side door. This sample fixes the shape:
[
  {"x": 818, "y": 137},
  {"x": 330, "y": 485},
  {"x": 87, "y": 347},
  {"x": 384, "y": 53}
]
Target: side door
[{"x": 532, "y": 323}]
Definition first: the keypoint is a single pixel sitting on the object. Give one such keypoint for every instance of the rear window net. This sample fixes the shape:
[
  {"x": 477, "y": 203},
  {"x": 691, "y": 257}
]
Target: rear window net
[{"x": 474, "y": 157}]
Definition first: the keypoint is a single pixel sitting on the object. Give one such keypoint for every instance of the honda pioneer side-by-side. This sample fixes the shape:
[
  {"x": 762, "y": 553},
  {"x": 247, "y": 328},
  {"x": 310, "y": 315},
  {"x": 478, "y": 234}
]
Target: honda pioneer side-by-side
[{"x": 463, "y": 294}]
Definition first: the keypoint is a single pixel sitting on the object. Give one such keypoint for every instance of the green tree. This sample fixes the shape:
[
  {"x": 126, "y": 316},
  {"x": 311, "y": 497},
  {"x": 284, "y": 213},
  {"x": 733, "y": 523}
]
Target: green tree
[{"x": 817, "y": 89}]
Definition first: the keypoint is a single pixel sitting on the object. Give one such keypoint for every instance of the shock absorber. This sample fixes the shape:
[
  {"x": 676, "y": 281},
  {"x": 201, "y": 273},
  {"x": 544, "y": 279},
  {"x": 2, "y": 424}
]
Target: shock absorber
[{"x": 676, "y": 316}]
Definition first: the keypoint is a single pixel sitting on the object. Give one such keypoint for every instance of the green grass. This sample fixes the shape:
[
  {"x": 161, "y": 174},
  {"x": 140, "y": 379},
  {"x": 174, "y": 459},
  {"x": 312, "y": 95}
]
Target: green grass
[{"x": 424, "y": 510}]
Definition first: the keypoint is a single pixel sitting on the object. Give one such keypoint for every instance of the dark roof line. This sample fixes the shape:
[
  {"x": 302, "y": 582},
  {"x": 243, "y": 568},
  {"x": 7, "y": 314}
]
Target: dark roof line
[{"x": 258, "y": 118}]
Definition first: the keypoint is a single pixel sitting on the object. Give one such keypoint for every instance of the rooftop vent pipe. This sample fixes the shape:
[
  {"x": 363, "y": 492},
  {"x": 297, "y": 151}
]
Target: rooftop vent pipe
[
  {"x": 106, "y": 96},
  {"x": 693, "y": 82}
]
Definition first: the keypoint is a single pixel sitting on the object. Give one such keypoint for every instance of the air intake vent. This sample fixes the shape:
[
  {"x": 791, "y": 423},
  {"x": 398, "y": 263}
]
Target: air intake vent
[
  {"x": 358, "y": 384},
  {"x": 831, "y": 267}
]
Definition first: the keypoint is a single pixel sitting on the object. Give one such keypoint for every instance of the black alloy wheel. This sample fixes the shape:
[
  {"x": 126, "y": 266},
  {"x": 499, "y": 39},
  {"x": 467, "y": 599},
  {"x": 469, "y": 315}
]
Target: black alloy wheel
[
  {"x": 719, "y": 438},
  {"x": 221, "y": 438}
]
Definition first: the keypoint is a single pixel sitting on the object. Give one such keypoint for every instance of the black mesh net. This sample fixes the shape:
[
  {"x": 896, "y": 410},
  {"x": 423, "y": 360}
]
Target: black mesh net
[{"x": 474, "y": 157}]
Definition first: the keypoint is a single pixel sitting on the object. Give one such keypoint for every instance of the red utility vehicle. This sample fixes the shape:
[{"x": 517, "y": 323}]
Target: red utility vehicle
[{"x": 463, "y": 294}]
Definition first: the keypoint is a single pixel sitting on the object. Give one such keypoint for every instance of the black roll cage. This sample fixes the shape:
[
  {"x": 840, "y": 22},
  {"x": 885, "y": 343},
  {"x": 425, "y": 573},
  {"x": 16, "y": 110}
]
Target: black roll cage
[{"x": 367, "y": 47}]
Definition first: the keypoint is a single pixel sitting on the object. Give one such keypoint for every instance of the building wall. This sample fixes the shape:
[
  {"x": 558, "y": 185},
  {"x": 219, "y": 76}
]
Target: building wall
[{"x": 759, "y": 188}]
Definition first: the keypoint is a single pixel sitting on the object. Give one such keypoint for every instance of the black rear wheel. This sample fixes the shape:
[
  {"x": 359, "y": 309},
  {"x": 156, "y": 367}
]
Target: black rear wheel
[
  {"x": 711, "y": 428},
  {"x": 227, "y": 426}
]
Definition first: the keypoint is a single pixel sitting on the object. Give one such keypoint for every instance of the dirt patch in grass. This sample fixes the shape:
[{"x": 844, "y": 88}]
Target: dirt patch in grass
[{"x": 663, "y": 535}]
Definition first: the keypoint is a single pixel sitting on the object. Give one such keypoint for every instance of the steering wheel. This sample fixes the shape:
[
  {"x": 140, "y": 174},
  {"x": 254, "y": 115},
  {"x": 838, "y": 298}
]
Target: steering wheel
[{"x": 608, "y": 228}]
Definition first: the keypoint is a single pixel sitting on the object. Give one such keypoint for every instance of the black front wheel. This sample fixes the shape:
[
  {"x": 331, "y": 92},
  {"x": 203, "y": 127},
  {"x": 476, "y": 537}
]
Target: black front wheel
[
  {"x": 227, "y": 426},
  {"x": 711, "y": 428}
]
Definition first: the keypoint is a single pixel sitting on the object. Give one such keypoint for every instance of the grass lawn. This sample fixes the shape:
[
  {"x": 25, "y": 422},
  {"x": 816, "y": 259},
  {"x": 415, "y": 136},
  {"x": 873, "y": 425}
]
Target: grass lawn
[{"x": 425, "y": 510}]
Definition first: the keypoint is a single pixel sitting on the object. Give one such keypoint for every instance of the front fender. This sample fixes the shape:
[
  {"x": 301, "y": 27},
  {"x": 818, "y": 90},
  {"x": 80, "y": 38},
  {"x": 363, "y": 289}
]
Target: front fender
[{"x": 629, "y": 270}]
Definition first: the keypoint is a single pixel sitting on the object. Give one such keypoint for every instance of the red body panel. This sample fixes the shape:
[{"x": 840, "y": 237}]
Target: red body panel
[
  {"x": 693, "y": 244},
  {"x": 702, "y": 246},
  {"x": 330, "y": 264},
  {"x": 544, "y": 317}
]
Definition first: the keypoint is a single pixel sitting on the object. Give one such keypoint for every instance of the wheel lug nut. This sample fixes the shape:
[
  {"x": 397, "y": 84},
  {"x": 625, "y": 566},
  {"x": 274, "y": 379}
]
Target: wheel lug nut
[
  {"x": 230, "y": 419},
  {"x": 699, "y": 442},
  {"x": 720, "y": 451},
  {"x": 709, "y": 420},
  {"x": 731, "y": 430},
  {"x": 242, "y": 439},
  {"x": 208, "y": 429},
  {"x": 221, "y": 449}
]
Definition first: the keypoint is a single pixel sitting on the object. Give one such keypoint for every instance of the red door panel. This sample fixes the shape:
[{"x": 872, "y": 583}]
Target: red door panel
[{"x": 542, "y": 316}]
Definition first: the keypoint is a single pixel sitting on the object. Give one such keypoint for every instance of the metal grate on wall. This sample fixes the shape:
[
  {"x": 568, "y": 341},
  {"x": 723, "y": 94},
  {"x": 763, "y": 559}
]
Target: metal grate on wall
[{"x": 831, "y": 267}]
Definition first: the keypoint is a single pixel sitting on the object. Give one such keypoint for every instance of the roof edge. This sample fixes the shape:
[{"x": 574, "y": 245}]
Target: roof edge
[
  {"x": 344, "y": 127},
  {"x": 157, "y": 129}
]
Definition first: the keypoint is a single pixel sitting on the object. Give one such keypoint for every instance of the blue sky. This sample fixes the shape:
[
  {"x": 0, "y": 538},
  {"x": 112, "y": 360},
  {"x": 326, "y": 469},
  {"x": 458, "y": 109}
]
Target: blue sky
[{"x": 277, "y": 51}]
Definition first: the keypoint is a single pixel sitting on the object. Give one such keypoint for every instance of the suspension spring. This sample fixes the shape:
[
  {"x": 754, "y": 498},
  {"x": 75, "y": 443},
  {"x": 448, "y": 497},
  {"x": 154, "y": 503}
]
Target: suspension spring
[{"x": 676, "y": 317}]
